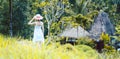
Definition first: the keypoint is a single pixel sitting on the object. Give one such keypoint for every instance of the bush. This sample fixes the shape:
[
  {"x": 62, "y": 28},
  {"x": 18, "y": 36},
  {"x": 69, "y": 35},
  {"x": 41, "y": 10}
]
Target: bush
[{"x": 86, "y": 41}]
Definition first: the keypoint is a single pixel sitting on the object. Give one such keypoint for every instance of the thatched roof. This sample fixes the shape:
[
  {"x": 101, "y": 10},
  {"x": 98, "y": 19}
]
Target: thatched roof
[
  {"x": 76, "y": 32},
  {"x": 101, "y": 24}
]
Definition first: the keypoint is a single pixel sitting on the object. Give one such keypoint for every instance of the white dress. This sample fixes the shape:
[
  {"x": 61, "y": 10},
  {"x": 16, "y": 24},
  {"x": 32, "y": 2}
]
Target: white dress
[{"x": 38, "y": 34}]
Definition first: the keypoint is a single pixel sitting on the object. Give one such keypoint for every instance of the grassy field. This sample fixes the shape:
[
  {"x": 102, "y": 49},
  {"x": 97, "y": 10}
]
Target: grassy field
[{"x": 13, "y": 48}]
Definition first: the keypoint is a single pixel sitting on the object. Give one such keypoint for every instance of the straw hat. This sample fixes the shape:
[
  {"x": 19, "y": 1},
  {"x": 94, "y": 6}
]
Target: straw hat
[{"x": 38, "y": 17}]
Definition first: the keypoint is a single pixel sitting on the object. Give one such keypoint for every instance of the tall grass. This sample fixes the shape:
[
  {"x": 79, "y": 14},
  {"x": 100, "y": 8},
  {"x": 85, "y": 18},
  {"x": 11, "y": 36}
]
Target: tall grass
[{"x": 11, "y": 48}]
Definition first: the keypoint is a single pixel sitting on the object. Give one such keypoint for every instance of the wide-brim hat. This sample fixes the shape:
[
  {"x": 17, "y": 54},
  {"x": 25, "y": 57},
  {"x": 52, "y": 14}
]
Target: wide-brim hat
[{"x": 38, "y": 17}]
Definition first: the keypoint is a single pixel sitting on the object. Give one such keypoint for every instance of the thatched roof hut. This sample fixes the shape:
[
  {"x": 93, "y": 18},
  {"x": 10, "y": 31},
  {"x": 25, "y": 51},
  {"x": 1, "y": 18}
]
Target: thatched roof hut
[
  {"x": 76, "y": 32},
  {"x": 101, "y": 24}
]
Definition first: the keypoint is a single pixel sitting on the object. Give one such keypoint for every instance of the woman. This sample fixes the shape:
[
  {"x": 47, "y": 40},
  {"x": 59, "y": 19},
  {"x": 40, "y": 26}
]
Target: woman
[{"x": 38, "y": 29}]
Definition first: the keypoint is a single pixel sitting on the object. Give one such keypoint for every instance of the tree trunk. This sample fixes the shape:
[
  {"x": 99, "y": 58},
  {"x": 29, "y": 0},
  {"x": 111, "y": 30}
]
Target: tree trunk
[
  {"x": 10, "y": 11},
  {"x": 118, "y": 8},
  {"x": 48, "y": 22},
  {"x": 49, "y": 39}
]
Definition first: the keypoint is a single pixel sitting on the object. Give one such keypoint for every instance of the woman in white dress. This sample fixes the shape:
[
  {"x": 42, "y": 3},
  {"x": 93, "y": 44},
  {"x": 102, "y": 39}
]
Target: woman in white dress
[{"x": 38, "y": 29}]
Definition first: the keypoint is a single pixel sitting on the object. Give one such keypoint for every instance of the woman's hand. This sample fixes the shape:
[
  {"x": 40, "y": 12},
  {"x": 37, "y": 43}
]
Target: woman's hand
[
  {"x": 33, "y": 18},
  {"x": 30, "y": 22}
]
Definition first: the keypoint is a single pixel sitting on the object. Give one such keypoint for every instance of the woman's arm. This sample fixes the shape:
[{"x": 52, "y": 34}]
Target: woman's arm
[{"x": 30, "y": 22}]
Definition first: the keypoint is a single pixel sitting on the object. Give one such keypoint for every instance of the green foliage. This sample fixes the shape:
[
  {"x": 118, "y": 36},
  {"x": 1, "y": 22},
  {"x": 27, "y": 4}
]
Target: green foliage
[
  {"x": 21, "y": 15},
  {"x": 86, "y": 41},
  {"x": 43, "y": 4},
  {"x": 55, "y": 28},
  {"x": 84, "y": 21},
  {"x": 105, "y": 38},
  {"x": 52, "y": 11},
  {"x": 107, "y": 6},
  {"x": 68, "y": 22},
  {"x": 79, "y": 20},
  {"x": 58, "y": 14},
  {"x": 117, "y": 29},
  {"x": 79, "y": 6},
  {"x": 86, "y": 48},
  {"x": 80, "y": 13},
  {"x": 4, "y": 17},
  {"x": 116, "y": 1}
]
